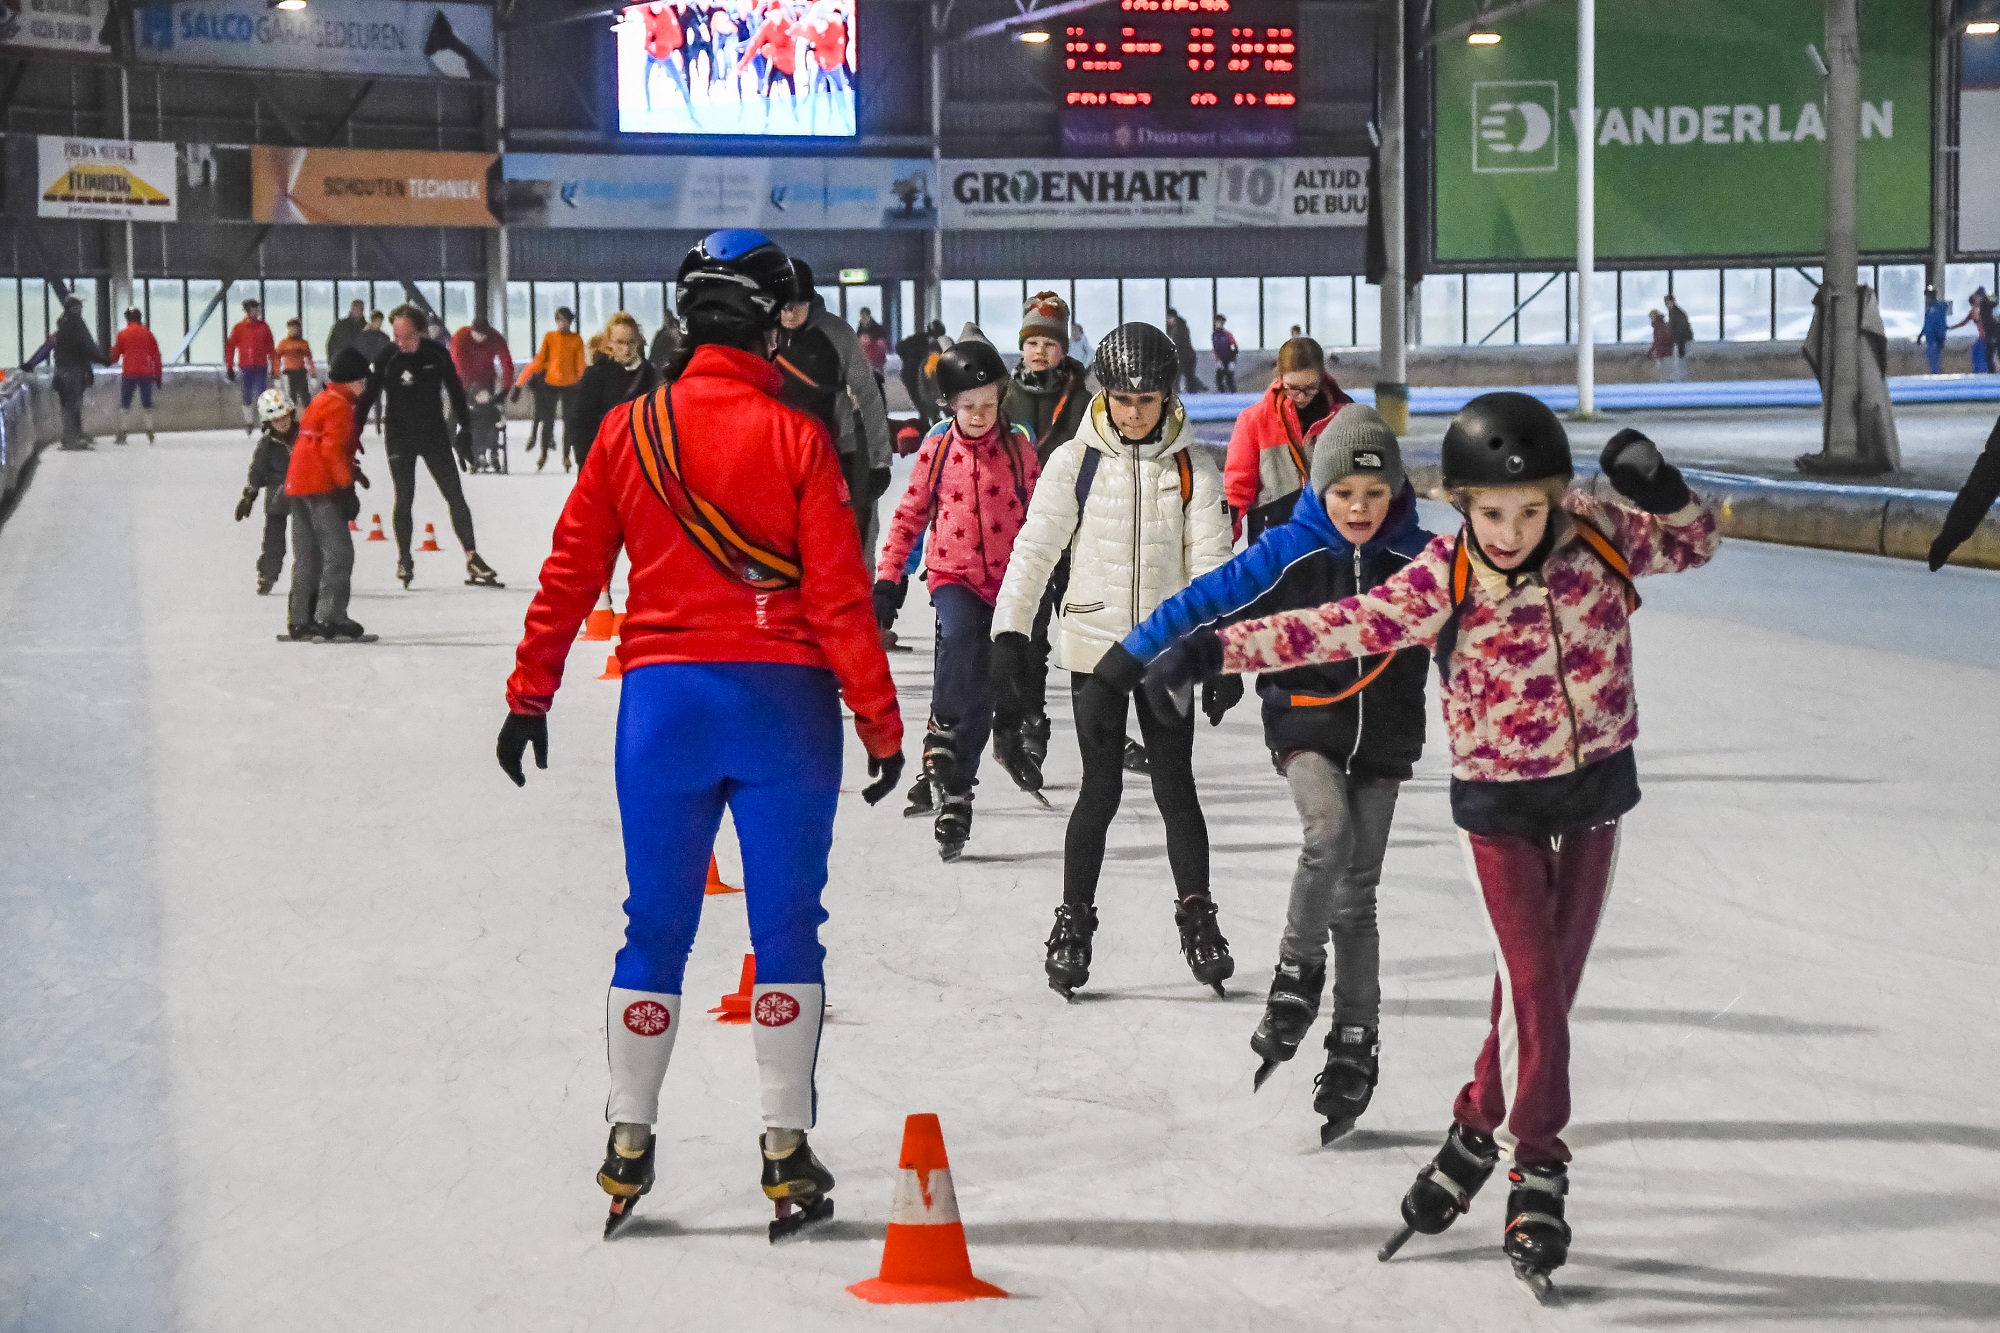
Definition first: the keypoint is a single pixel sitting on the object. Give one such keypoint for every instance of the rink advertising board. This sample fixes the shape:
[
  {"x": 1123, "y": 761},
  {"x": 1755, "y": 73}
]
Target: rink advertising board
[
  {"x": 739, "y": 67},
  {"x": 386, "y": 37},
  {"x": 1710, "y": 131},
  {"x": 1001, "y": 194},
  {"x": 700, "y": 193},
  {"x": 365, "y": 188},
  {"x": 75, "y": 26},
  {"x": 110, "y": 180}
]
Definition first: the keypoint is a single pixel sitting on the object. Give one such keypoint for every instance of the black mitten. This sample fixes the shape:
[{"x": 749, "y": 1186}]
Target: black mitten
[{"x": 1642, "y": 476}]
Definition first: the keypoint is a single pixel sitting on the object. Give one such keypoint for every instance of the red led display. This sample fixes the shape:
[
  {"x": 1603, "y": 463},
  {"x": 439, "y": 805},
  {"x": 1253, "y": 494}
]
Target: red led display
[{"x": 1209, "y": 57}]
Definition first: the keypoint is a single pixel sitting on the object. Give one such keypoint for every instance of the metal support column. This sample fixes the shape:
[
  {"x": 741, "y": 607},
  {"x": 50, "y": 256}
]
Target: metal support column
[{"x": 1392, "y": 388}]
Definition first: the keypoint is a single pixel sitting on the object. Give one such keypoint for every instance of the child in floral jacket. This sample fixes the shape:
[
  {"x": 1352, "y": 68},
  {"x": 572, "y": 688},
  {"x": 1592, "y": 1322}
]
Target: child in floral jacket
[{"x": 1528, "y": 607}]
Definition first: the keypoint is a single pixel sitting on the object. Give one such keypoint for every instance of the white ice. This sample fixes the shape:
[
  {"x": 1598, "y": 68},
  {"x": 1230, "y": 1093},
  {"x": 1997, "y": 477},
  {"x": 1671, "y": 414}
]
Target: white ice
[{"x": 300, "y": 999}]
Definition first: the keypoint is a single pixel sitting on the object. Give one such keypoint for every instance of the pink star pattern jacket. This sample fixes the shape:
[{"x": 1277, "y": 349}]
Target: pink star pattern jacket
[
  {"x": 1540, "y": 678},
  {"x": 974, "y": 513}
]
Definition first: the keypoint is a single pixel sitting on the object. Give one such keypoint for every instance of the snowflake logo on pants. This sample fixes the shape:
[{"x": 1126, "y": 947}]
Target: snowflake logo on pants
[
  {"x": 648, "y": 1018},
  {"x": 775, "y": 1009}
]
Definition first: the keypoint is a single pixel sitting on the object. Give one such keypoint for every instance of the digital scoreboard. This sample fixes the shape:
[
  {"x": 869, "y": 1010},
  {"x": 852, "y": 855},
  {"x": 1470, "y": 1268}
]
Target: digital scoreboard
[{"x": 1177, "y": 76}]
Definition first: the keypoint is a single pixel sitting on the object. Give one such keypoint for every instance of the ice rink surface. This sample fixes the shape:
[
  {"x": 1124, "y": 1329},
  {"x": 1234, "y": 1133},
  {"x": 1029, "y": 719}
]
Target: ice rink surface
[{"x": 301, "y": 1001}]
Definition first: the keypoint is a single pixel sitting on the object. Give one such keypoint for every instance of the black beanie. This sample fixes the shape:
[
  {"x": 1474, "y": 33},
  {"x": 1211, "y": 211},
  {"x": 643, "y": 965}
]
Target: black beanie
[{"x": 347, "y": 366}]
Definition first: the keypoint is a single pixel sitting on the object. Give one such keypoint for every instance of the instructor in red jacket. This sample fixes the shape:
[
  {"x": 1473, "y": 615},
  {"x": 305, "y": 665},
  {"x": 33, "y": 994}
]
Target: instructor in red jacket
[{"x": 749, "y": 619}]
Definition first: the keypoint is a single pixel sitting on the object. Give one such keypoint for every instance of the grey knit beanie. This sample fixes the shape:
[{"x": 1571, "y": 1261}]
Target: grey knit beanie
[{"x": 1356, "y": 440}]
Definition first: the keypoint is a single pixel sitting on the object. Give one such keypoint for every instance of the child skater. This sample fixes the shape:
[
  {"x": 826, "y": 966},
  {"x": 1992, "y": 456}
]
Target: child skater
[
  {"x": 268, "y": 464},
  {"x": 969, "y": 491},
  {"x": 1528, "y": 608},
  {"x": 1344, "y": 734},
  {"x": 1138, "y": 510}
]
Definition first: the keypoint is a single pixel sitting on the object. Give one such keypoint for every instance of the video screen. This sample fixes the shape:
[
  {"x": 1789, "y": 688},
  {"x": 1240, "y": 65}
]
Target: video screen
[{"x": 779, "y": 67}]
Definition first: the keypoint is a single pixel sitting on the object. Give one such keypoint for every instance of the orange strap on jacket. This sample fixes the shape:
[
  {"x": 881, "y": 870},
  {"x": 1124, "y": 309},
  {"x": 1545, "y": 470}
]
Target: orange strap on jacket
[
  {"x": 656, "y": 441},
  {"x": 1461, "y": 565},
  {"x": 1322, "y": 700}
]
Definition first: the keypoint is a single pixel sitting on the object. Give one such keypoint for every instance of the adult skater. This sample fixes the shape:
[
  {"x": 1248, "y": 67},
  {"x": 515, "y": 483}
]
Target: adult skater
[
  {"x": 319, "y": 490},
  {"x": 246, "y": 358},
  {"x": 747, "y": 623},
  {"x": 137, "y": 353},
  {"x": 75, "y": 355},
  {"x": 1139, "y": 512},
  {"x": 969, "y": 492},
  {"x": 559, "y": 363},
  {"x": 1345, "y": 736},
  {"x": 1270, "y": 456},
  {"x": 270, "y": 462},
  {"x": 863, "y": 441},
  {"x": 1528, "y": 608},
  {"x": 413, "y": 377},
  {"x": 618, "y": 374}
]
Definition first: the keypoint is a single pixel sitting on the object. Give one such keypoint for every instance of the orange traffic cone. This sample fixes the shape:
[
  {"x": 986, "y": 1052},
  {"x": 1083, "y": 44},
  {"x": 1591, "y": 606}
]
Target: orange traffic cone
[
  {"x": 736, "y": 1008},
  {"x": 375, "y": 533},
  {"x": 601, "y": 624},
  {"x": 715, "y": 881},
  {"x": 613, "y": 670},
  {"x": 430, "y": 539},
  {"x": 924, "y": 1259}
]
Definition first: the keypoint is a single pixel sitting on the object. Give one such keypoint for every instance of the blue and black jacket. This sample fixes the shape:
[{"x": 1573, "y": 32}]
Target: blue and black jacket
[{"x": 1378, "y": 731}]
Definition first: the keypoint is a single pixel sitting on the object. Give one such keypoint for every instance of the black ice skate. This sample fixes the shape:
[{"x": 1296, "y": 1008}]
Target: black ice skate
[
  {"x": 953, "y": 826},
  {"x": 1011, "y": 749},
  {"x": 919, "y": 798},
  {"x": 799, "y": 1185},
  {"x": 1443, "y": 1189},
  {"x": 1035, "y": 737},
  {"x": 1537, "y": 1237},
  {"x": 264, "y": 585},
  {"x": 1068, "y": 963},
  {"x": 479, "y": 574},
  {"x": 406, "y": 569},
  {"x": 1136, "y": 760},
  {"x": 342, "y": 631},
  {"x": 625, "y": 1177},
  {"x": 1343, "y": 1089},
  {"x": 1289, "y": 1012},
  {"x": 1207, "y": 953}
]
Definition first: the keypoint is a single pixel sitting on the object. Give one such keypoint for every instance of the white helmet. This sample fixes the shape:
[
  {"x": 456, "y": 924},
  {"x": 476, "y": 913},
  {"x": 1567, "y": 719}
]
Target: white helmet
[{"x": 272, "y": 404}]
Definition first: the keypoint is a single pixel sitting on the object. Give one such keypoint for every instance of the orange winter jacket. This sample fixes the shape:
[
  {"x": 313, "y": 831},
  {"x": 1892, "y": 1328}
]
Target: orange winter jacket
[
  {"x": 560, "y": 361},
  {"x": 294, "y": 354},
  {"x": 323, "y": 453}
]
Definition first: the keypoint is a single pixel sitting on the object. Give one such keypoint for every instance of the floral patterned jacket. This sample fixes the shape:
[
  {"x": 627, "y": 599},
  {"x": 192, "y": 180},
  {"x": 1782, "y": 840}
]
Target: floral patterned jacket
[
  {"x": 1540, "y": 678},
  {"x": 973, "y": 512}
]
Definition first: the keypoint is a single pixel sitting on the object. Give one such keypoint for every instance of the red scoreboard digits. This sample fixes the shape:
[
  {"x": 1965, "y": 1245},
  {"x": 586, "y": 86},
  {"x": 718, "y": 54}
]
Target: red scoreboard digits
[{"x": 1204, "y": 59}]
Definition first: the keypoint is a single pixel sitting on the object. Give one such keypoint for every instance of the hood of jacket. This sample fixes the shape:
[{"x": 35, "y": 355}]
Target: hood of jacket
[
  {"x": 1098, "y": 433},
  {"x": 1401, "y": 533}
]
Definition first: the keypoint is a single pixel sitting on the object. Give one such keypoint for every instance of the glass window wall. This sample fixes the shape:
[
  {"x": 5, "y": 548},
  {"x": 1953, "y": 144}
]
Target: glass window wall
[{"x": 1284, "y": 310}]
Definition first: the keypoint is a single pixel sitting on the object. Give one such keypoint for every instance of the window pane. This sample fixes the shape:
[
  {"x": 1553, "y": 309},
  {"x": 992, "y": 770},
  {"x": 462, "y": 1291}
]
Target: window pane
[
  {"x": 1542, "y": 317},
  {"x": 1194, "y": 300},
  {"x": 909, "y": 315},
  {"x": 869, "y": 298},
  {"x": 1146, "y": 302},
  {"x": 596, "y": 302},
  {"x": 316, "y": 309},
  {"x": 12, "y": 353},
  {"x": 461, "y": 298},
  {"x": 167, "y": 316},
  {"x": 1284, "y": 310},
  {"x": 433, "y": 290},
  {"x": 1236, "y": 299},
  {"x": 647, "y": 303},
  {"x": 999, "y": 309},
  {"x": 1643, "y": 292},
  {"x": 1698, "y": 292},
  {"x": 955, "y": 305},
  {"x": 549, "y": 298},
  {"x": 1746, "y": 304},
  {"x": 1489, "y": 304},
  {"x": 1367, "y": 321},
  {"x": 346, "y": 290},
  {"x": 521, "y": 339},
  {"x": 1444, "y": 316},
  {"x": 1795, "y": 301},
  {"x": 1330, "y": 311},
  {"x": 1902, "y": 296},
  {"x": 281, "y": 302},
  {"x": 207, "y": 348},
  {"x": 1095, "y": 307}
]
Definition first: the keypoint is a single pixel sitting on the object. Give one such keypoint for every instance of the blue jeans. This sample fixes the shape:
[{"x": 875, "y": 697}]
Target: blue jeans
[
  {"x": 962, "y": 685},
  {"x": 1934, "y": 353},
  {"x": 762, "y": 738}
]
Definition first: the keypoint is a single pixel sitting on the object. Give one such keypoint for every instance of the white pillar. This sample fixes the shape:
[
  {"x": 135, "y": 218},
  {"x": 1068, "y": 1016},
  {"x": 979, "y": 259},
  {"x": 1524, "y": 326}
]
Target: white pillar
[
  {"x": 1392, "y": 390},
  {"x": 1842, "y": 272},
  {"x": 1586, "y": 203}
]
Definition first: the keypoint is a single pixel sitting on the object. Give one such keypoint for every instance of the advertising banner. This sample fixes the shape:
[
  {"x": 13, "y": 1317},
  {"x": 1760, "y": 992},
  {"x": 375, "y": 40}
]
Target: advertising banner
[
  {"x": 111, "y": 180},
  {"x": 359, "y": 187},
  {"x": 1979, "y": 142},
  {"x": 75, "y": 26},
  {"x": 999, "y": 194},
  {"x": 393, "y": 37},
  {"x": 1710, "y": 131},
  {"x": 703, "y": 193}
]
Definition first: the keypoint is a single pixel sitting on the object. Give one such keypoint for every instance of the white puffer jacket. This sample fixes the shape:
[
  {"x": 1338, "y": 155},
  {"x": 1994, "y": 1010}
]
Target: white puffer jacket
[{"x": 1136, "y": 544}]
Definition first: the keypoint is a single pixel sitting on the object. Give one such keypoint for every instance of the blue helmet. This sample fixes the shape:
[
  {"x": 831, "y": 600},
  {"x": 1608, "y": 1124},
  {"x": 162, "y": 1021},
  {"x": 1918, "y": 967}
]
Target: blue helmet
[{"x": 739, "y": 274}]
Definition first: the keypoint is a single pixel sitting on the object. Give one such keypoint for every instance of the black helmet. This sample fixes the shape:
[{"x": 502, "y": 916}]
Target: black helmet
[
  {"x": 1136, "y": 358},
  {"x": 968, "y": 365},
  {"x": 1505, "y": 439},
  {"x": 803, "y": 288},
  {"x": 734, "y": 277}
]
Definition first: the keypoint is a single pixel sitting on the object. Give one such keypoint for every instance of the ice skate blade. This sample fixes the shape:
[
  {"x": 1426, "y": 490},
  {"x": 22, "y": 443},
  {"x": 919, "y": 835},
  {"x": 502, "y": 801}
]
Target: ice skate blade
[
  {"x": 1264, "y": 1071},
  {"x": 950, "y": 851},
  {"x": 1539, "y": 1284},
  {"x": 795, "y": 1223},
  {"x": 1220, "y": 993},
  {"x": 1067, "y": 992},
  {"x": 1336, "y": 1127},
  {"x": 622, "y": 1211},
  {"x": 479, "y": 583},
  {"x": 1041, "y": 800},
  {"x": 1395, "y": 1243}
]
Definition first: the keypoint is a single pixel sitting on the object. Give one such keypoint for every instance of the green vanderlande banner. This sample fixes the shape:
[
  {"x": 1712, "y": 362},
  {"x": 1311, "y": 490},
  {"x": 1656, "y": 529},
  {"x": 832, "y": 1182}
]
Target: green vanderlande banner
[{"x": 1711, "y": 137}]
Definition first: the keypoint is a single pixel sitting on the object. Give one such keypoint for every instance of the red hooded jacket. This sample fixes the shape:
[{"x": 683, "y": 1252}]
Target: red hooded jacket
[
  {"x": 773, "y": 471},
  {"x": 323, "y": 453},
  {"x": 138, "y": 352},
  {"x": 249, "y": 345}
]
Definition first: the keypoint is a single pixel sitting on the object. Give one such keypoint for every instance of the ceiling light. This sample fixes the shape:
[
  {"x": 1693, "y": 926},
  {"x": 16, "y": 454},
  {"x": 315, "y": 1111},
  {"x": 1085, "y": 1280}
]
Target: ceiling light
[
  {"x": 1482, "y": 39},
  {"x": 1984, "y": 28},
  {"x": 1033, "y": 37},
  {"x": 288, "y": 5}
]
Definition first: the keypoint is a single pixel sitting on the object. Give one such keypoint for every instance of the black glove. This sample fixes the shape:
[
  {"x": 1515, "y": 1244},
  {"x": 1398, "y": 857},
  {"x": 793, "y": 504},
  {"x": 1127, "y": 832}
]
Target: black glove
[
  {"x": 229, "y": 373},
  {"x": 249, "y": 498},
  {"x": 1941, "y": 549},
  {"x": 518, "y": 732},
  {"x": 1011, "y": 659},
  {"x": 1649, "y": 481},
  {"x": 514, "y": 394},
  {"x": 1219, "y": 694},
  {"x": 360, "y": 477},
  {"x": 887, "y": 774},
  {"x": 1197, "y": 657},
  {"x": 888, "y": 596},
  {"x": 461, "y": 445},
  {"x": 1120, "y": 670}
]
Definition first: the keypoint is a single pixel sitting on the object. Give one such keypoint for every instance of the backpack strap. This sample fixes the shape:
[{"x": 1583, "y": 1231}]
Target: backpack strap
[
  {"x": 1612, "y": 557},
  {"x": 1086, "y": 472},
  {"x": 1186, "y": 470},
  {"x": 1461, "y": 584},
  {"x": 656, "y": 442},
  {"x": 1322, "y": 700}
]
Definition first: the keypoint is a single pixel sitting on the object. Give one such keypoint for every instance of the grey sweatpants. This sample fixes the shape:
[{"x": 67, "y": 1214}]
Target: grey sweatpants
[
  {"x": 1346, "y": 826},
  {"x": 322, "y": 561}
]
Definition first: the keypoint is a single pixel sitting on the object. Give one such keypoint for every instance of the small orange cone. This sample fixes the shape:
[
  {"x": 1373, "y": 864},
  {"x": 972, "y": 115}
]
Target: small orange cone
[
  {"x": 375, "y": 533},
  {"x": 430, "y": 539},
  {"x": 715, "y": 880},
  {"x": 601, "y": 624},
  {"x": 612, "y": 669},
  {"x": 736, "y": 1008},
  {"x": 924, "y": 1259}
]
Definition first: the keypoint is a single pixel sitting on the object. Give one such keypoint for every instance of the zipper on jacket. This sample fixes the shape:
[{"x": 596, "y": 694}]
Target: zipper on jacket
[
  {"x": 1361, "y": 696},
  {"x": 1138, "y": 521},
  {"x": 1562, "y": 677}
]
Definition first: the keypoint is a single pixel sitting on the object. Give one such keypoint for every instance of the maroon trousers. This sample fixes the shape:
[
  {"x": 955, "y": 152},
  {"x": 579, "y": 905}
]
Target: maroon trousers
[{"x": 1543, "y": 898}]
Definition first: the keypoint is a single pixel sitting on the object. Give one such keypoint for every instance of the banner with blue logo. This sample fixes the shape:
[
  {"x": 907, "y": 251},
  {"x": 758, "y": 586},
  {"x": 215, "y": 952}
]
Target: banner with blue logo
[{"x": 376, "y": 37}]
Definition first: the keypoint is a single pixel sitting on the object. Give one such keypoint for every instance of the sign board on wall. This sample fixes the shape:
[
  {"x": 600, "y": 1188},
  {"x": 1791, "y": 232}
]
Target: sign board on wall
[
  {"x": 113, "y": 180},
  {"x": 389, "y": 37},
  {"x": 1978, "y": 144},
  {"x": 702, "y": 193},
  {"x": 75, "y": 26},
  {"x": 363, "y": 188},
  {"x": 1000, "y": 194},
  {"x": 1710, "y": 131}
]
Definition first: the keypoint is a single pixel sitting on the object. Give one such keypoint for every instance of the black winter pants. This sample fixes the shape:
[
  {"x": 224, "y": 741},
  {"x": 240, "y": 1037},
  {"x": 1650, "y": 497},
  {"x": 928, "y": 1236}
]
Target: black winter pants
[
  {"x": 1100, "y": 735},
  {"x": 444, "y": 471},
  {"x": 271, "y": 559}
]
